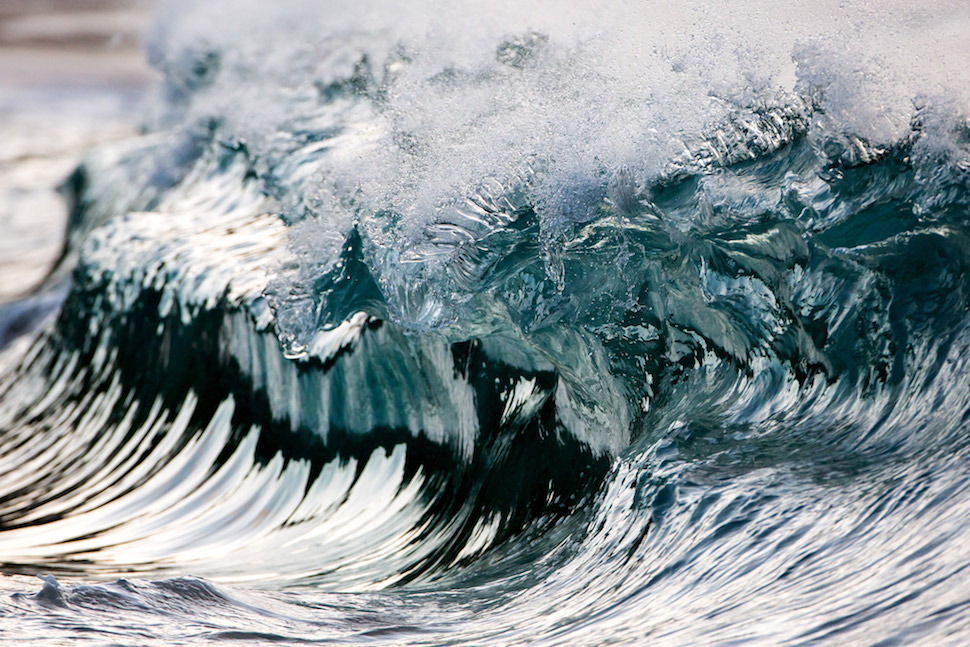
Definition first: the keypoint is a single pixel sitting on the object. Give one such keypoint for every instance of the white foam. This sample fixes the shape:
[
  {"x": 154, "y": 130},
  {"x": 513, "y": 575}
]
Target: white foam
[
  {"x": 599, "y": 88},
  {"x": 562, "y": 105}
]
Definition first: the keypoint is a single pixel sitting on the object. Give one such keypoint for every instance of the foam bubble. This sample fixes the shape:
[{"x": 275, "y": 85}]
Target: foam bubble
[{"x": 388, "y": 117}]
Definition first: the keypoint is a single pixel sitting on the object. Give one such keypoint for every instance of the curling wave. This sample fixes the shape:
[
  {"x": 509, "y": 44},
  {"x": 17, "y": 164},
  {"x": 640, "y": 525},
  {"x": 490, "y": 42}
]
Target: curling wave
[{"x": 381, "y": 313}]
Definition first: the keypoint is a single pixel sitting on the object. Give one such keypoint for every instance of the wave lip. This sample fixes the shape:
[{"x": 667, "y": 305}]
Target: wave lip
[{"x": 197, "y": 430}]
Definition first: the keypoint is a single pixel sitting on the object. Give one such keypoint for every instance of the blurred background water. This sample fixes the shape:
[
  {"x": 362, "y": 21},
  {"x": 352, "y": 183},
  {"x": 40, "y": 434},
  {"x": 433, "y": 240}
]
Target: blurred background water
[{"x": 72, "y": 75}]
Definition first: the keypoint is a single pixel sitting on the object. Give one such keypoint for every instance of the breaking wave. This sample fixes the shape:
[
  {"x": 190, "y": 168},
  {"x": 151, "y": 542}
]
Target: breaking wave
[{"x": 538, "y": 326}]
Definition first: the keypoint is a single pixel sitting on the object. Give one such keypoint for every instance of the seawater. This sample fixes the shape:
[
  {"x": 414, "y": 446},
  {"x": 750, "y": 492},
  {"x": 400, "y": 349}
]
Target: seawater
[{"x": 446, "y": 324}]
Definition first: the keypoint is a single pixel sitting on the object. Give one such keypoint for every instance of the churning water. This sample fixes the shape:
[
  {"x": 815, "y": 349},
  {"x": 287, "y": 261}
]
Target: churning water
[{"x": 444, "y": 323}]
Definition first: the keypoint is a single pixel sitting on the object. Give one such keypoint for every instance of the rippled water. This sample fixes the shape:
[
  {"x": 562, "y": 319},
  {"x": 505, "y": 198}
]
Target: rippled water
[{"x": 495, "y": 325}]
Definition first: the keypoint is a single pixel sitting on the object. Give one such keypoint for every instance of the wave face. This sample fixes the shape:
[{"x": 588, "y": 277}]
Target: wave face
[{"x": 445, "y": 324}]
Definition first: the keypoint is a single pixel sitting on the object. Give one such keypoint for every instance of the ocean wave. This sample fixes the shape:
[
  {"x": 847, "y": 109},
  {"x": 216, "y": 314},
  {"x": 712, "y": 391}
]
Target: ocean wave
[{"x": 550, "y": 331}]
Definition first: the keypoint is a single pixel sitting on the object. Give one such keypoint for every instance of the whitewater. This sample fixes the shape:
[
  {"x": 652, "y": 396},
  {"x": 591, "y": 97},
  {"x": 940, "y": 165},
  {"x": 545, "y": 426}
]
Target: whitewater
[{"x": 445, "y": 323}]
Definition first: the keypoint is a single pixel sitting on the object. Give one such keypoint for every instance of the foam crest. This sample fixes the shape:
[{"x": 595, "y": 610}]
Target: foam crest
[{"x": 430, "y": 126}]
